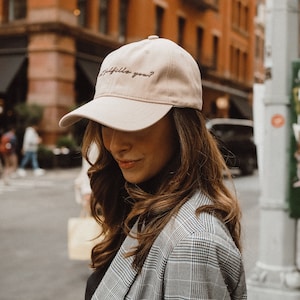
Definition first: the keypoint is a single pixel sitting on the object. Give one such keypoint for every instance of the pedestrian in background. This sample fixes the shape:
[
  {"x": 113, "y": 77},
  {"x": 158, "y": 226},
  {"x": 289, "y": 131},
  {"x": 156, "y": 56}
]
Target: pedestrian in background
[
  {"x": 31, "y": 143},
  {"x": 8, "y": 150},
  {"x": 171, "y": 225}
]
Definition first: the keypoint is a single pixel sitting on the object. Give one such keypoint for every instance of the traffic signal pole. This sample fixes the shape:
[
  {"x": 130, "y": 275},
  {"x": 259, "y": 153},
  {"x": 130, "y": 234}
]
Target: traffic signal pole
[{"x": 275, "y": 275}]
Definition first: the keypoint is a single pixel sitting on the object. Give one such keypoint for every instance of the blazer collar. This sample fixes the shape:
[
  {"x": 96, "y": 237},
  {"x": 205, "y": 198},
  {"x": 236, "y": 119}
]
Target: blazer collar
[{"x": 120, "y": 275}]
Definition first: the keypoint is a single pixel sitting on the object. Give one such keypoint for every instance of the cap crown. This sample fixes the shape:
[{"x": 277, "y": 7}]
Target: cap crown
[{"x": 154, "y": 70}]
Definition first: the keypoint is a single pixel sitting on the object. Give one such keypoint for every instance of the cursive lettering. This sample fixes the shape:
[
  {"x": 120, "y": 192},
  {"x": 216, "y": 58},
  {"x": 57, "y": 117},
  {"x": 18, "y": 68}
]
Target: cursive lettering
[
  {"x": 125, "y": 71},
  {"x": 142, "y": 74},
  {"x": 112, "y": 70}
]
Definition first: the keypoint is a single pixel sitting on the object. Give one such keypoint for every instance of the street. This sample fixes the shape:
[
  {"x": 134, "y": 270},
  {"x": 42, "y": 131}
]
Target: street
[
  {"x": 34, "y": 262},
  {"x": 248, "y": 193}
]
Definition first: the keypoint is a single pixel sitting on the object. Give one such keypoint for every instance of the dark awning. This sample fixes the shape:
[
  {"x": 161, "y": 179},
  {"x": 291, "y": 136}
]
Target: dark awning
[
  {"x": 90, "y": 69},
  {"x": 243, "y": 107},
  {"x": 10, "y": 64}
]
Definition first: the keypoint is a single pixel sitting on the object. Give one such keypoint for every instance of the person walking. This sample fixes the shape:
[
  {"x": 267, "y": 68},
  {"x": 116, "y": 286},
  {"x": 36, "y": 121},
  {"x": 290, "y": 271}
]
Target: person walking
[
  {"x": 8, "y": 150},
  {"x": 171, "y": 224},
  {"x": 30, "y": 147}
]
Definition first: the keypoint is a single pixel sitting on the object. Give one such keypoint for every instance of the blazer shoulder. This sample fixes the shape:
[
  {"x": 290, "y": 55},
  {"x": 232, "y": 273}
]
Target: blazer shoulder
[{"x": 186, "y": 225}]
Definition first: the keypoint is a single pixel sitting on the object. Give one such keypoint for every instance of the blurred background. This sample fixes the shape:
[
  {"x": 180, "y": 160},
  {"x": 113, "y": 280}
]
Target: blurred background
[
  {"x": 50, "y": 55},
  {"x": 51, "y": 51}
]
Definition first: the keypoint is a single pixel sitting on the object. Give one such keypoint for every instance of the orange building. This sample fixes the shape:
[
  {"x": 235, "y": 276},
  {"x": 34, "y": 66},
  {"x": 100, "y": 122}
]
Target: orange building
[
  {"x": 50, "y": 50},
  {"x": 259, "y": 44}
]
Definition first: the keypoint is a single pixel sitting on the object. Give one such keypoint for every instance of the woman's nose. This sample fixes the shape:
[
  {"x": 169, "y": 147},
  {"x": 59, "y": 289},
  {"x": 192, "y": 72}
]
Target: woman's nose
[{"x": 118, "y": 141}]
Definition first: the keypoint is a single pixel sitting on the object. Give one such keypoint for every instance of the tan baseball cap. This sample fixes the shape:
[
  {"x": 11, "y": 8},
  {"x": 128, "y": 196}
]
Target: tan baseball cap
[{"x": 139, "y": 83}]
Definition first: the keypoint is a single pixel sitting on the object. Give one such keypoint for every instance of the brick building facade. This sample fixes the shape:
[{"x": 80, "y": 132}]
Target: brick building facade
[{"x": 50, "y": 50}]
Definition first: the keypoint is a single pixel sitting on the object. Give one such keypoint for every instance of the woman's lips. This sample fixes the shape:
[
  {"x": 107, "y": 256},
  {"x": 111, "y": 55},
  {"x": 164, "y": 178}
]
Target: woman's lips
[{"x": 127, "y": 164}]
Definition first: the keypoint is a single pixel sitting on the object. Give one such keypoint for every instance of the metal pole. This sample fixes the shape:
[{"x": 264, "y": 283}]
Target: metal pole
[{"x": 275, "y": 275}]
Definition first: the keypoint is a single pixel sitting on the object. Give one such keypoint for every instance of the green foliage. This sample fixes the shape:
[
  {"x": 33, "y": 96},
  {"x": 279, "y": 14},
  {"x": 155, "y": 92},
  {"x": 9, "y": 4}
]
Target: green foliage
[
  {"x": 67, "y": 142},
  {"x": 45, "y": 157},
  {"x": 29, "y": 114},
  {"x": 44, "y": 151}
]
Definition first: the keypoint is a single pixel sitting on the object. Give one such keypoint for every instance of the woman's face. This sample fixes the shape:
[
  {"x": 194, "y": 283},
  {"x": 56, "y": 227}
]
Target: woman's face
[{"x": 142, "y": 154}]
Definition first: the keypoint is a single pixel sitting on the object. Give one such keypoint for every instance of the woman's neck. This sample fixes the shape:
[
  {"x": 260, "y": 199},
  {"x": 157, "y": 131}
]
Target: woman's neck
[{"x": 152, "y": 185}]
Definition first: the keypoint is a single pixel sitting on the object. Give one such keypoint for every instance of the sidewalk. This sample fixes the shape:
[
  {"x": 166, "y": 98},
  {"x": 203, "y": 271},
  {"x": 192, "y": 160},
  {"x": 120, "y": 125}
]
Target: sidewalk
[
  {"x": 33, "y": 232},
  {"x": 56, "y": 173},
  {"x": 34, "y": 258}
]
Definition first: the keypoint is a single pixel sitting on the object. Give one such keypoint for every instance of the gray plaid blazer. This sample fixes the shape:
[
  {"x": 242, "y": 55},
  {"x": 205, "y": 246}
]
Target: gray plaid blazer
[{"x": 192, "y": 258}]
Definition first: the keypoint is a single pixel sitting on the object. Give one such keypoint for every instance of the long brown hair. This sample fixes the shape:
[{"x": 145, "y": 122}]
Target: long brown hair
[{"x": 200, "y": 166}]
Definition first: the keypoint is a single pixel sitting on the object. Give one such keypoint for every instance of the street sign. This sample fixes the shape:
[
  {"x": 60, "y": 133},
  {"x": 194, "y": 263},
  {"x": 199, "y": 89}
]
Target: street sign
[{"x": 277, "y": 120}]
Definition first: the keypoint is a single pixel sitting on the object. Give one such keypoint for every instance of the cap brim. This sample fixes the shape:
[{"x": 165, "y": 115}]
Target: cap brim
[{"x": 118, "y": 113}]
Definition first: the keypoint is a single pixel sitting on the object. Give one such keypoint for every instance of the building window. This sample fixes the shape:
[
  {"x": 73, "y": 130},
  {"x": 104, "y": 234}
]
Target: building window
[
  {"x": 181, "y": 26},
  {"x": 231, "y": 60},
  {"x": 244, "y": 70},
  {"x": 159, "y": 20},
  {"x": 234, "y": 62},
  {"x": 234, "y": 13},
  {"x": 17, "y": 10},
  {"x": 240, "y": 16},
  {"x": 81, "y": 12},
  {"x": 246, "y": 19},
  {"x": 199, "y": 44},
  {"x": 238, "y": 63},
  {"x": 239, "y": 9},
  {"x": 123, "y": 12},
  {"x": 215, "y": 52},
  {"x": 103, "y": 16},
  {"x": 262, "y": 49},
  {"x": 257, "y": 46}
]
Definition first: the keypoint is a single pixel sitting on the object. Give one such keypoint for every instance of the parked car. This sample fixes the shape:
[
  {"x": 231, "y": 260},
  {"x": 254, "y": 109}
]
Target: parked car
[{"x": 236, "y": 142}]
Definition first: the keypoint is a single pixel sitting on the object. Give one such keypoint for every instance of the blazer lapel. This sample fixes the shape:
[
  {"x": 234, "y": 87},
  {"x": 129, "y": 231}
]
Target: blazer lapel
[{"x": 120, "y": 275}]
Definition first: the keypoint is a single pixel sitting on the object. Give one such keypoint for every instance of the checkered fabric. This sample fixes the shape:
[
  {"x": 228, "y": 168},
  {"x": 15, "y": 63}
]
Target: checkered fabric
[{"x": 192, "y": 258}]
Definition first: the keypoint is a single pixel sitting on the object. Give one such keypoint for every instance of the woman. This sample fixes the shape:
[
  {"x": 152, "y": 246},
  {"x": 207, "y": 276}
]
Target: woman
[{"x": 172, "y": 227}]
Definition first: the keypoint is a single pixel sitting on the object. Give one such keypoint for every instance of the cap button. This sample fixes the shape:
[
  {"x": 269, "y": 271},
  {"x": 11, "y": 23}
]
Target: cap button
[{"x": 153, "y": 37}]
